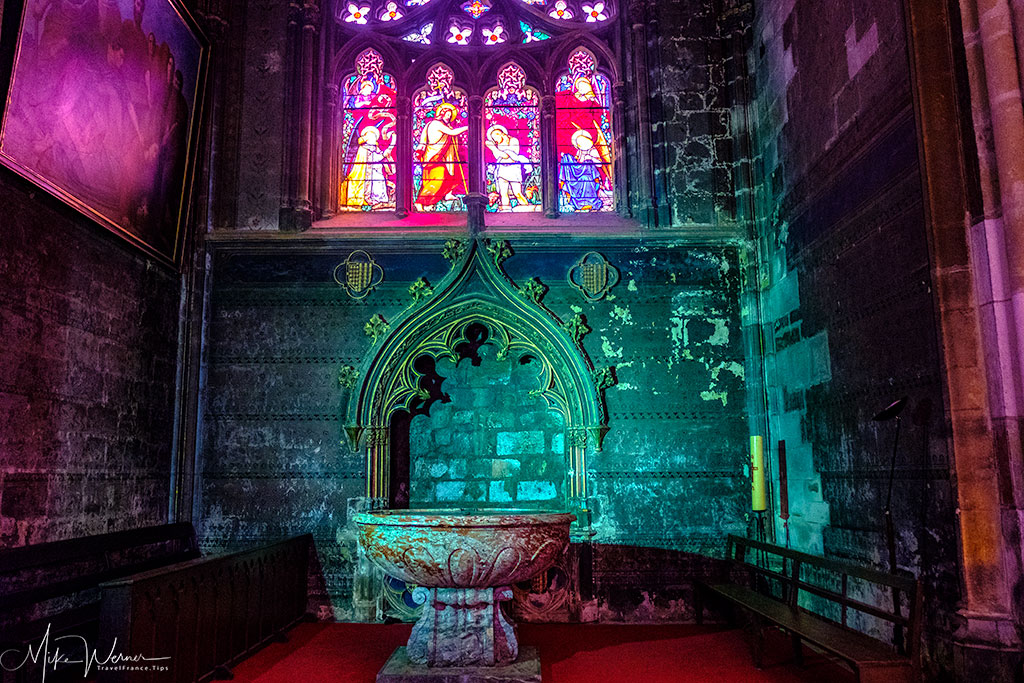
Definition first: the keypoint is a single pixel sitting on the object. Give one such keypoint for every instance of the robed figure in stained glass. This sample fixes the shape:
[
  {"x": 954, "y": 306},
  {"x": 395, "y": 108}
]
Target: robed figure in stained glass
[
  {"x": 583, "y": 137},
  {"x": 509, "y": 168},
  {"x": 369, "y": 121},
  {"x": 512, "y": 142},
  {"x": 443, "y": 173}
]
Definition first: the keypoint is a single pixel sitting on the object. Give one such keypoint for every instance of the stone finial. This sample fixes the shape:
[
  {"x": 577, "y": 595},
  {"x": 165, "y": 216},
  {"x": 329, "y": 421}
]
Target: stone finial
[
  {"x": 348, "y": 376},
  {"x": 376, "y": 327},
  {"x": 420, "y": 290},
  {"x": 534, "y": 290}
]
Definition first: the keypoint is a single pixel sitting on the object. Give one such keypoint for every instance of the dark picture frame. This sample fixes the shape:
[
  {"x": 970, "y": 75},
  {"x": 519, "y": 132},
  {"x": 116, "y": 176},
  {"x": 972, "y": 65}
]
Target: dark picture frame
[{"x": 102, "y": 109}]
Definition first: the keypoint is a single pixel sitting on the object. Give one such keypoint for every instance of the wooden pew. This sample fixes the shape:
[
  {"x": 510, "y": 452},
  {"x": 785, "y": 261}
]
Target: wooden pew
[
  {"x": 204, "y": 615},
  {"x": 57, "y": 583},
  {"x": 785, "y": 589}
]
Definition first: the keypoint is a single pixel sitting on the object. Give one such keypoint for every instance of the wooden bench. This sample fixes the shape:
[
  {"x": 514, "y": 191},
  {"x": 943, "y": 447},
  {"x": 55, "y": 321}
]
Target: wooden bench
[
  {"x": 207, "y": 614},
  {"x": 787, "y": 584},
  {"x": 55, "y": 585},
  {"x": 58, "y": 583}
]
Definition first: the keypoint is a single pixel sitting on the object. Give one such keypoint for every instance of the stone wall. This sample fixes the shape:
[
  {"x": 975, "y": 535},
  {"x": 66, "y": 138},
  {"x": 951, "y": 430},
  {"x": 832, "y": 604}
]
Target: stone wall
[
  {"x": 89, "y": 328},
  {"x": 492, "y": 445},
  {"x": 667, "y": 487},
  {"x": 848, "y": 309}
]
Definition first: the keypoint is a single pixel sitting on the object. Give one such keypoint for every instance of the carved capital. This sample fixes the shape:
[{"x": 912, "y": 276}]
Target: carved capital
[
  {"x": 476, "y": 105},
  {"x": 215, "y": 28},
  {"x": 404, "y": 105},
  {"x": 377, "y": 437},
  {"x": 637, "y": 10},
  {"x": 294, "y": 13},
  {"x": 578, "y": 437},
  {"x": 311, "y": 16},
  {"x": 619, "y": 93},
  {"x": 547, "y": 106},
  {"x": 332, "y": 91}
]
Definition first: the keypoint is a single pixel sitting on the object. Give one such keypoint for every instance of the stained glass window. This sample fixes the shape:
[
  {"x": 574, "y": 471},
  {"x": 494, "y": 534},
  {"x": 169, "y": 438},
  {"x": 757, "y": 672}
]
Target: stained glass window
[
  {"x": 512, "y": 140},
  {"x": 368, "y": 137},
  {"x": 436, "y": 153},
  {"x": 421, "y": 36},
  {"x": 583, "y": 136},
  {"x": 440, "y": 143},
  {"x": 531, "y": 34}
]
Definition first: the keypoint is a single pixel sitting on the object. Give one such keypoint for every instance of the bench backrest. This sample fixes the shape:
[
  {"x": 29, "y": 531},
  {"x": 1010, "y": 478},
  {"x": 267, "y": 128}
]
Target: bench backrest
[
  {"x": 34, "y": 574},
  {"x": 791, "y": 578}
]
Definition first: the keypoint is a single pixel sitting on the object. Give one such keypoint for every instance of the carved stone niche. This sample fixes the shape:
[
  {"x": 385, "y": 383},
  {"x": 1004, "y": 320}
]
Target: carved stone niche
[{"x": 477, "y": 317}]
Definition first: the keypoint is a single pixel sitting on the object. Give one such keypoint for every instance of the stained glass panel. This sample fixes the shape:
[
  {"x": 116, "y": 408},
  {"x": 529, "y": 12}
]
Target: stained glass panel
[
  {"x": 421, "y": 36},
  {"x": 531, "y": 34},
  {"x": 512, "y": 142},
  {"x": 583, "y": 137},
  {"x": 368, "y": 137},
  {"x": 476, "y": 8},
  {"x": 440, "y": 144},
  {"x": 494, "y": 35}
]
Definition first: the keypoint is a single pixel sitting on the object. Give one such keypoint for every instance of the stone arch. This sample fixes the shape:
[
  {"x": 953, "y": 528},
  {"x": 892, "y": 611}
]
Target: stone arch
[{"x": 477, "y": 292}]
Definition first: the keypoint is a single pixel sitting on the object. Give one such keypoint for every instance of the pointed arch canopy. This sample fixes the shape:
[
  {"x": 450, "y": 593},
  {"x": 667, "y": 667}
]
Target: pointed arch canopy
[{"x": 476, "y": 291}]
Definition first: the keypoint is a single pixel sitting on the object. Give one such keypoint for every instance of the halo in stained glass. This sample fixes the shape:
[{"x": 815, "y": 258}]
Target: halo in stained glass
[
  {"x": 368, "y": 137},
  {"x": 440, "y": 128},
  {"x": 512, "y": 152},
  {"x": 583, "y": 136}
]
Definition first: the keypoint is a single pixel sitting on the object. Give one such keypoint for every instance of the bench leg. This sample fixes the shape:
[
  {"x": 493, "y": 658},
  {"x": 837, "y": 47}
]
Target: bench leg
[
  {"x": 798, "y": 650},
  {"x": 883, "y": 674},
  {"x": 755, "y": 632}
]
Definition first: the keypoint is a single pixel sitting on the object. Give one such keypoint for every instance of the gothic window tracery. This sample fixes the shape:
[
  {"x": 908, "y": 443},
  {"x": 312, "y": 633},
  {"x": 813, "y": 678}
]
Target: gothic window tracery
[
  {"x": 508, "y": 100},
  {"x": 368, "y": 137},
  {"x": 441, "y": 137}
]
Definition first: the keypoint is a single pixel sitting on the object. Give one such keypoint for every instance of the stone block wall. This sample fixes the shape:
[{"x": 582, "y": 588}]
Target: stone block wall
[
  {"x": 89, "y": 329},
  {"x": 667, "y": 487},
  {"x": 493, "y": 445},
  {"x": 848, "y": 310}
]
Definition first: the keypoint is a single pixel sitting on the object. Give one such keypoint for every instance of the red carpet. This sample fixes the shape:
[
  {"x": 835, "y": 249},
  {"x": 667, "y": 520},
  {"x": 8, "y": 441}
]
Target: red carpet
[{"x": 570, "y": 653}]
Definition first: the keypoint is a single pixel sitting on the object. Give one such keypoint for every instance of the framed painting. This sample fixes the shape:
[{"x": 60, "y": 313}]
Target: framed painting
[{"x": 102, "y": 110}]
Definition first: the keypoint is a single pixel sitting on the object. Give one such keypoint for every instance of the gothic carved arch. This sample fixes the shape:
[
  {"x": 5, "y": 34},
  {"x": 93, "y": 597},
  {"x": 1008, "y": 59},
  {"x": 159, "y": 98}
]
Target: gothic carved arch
[{"x": 477, "y": 292}]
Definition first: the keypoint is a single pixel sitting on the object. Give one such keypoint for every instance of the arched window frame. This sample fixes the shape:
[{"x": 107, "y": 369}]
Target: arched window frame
[
  {"x": 475, "y": 70},
  {"x": 520, "y": 191}
]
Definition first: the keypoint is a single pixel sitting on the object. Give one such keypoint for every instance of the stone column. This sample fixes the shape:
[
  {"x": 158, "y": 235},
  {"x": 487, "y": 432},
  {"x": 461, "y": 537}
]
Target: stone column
[
  {"x": 377, "y": 465},
  {"x": 976, "y": 353},
  {"x": 331, "y": 169},
  {"x": 476, "y": 123},
  {"x": 403, "y": 158},
  {"x": 303, "y": 201},
  {"x": 619, "y": 169},
  {"x": 549, "y": 167},
  {"x": 297, "y": 205},
  {"x": 643, "y": 172}
]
